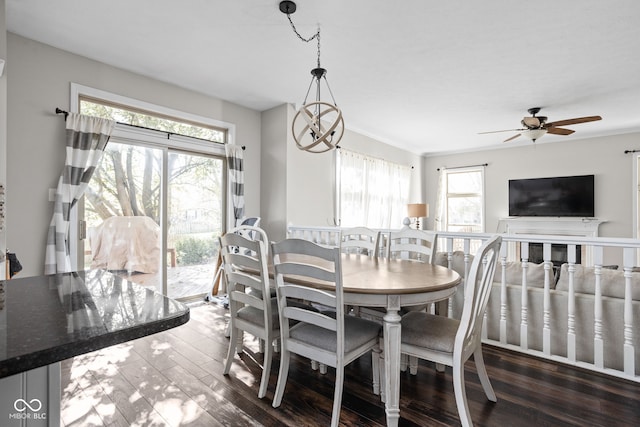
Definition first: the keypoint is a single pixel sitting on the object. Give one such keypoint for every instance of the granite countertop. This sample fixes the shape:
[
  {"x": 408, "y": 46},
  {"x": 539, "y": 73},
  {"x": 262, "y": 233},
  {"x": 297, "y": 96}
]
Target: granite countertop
[{"x": 47, "y": 319}]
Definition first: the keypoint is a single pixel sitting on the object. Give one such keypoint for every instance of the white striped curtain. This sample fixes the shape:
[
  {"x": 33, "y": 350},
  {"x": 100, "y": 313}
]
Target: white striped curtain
[
  {"x": 86, "y": 138},
  {"x": 236, "y": 180}
]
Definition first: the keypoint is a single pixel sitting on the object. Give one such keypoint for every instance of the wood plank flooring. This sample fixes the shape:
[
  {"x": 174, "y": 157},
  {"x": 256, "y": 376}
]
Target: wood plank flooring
[{"x": 175, "y": 378}]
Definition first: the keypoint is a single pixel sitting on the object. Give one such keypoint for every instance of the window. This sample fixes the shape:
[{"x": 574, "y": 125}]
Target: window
[
  {"x": 371, "y": 192},
  {"x": 461, "y": 200}
]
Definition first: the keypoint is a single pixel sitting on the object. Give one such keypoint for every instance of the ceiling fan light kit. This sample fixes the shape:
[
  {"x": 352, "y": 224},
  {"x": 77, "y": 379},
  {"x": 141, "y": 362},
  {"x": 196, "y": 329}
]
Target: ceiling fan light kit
[
  {"x": 320, "y": 119},
  {"x": 535, "y": 127}
]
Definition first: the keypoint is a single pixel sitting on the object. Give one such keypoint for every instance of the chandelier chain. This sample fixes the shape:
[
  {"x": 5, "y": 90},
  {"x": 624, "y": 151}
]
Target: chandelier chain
[{"x": 306, "y": 40}]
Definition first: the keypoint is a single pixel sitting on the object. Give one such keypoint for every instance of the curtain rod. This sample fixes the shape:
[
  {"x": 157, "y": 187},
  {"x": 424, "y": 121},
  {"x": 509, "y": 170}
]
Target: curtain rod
[
  {"x": 66, "y": 114},
  {"x": 631, "y": 151},
  {"x": 462, "y": 167}
]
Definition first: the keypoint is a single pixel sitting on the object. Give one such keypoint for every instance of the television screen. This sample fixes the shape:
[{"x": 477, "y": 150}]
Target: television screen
[{"x": 558, "y": 196}]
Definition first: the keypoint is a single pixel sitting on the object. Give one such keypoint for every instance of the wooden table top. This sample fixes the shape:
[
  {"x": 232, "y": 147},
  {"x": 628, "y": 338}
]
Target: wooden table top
[{"x": 365, "y": 275}]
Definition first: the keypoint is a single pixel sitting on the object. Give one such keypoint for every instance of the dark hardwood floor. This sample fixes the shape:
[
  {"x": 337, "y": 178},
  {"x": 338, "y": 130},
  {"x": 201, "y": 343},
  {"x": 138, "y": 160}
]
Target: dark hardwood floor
[{"x": 175, "y": 378}]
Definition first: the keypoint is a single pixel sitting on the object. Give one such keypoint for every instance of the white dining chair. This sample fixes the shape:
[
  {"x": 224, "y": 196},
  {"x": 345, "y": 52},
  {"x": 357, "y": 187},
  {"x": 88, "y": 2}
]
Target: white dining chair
[
  {"x": 332, "y": 339},
  {"x": 360, "y": 240},
  {"x": 450, "y": 341},
  {"x": 409, "y": 243},
  {"x": 245, "y": 269},
  {"x": 415, "y": 245}
]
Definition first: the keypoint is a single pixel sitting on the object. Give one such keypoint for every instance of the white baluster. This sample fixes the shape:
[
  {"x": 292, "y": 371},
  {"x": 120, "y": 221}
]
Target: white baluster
[
  {"x": 524, "y": 312},
  {"x": 503, "y": 294},
  {"x": 571, "y": 310},
  {"x": 629, "y": 351},
  {"x": 598, "y": 343},
  {"x": 546, "y": 306},
  {"x": 450, "y": 265}
]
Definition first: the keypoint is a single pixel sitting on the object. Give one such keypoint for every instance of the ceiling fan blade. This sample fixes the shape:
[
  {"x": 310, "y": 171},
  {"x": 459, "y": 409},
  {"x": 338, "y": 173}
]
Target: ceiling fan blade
[
  {"x": 560, "y": 131},
  {"x": 497, "y": 131},
  {"x": 512, "y": 138},
  {"x": 574, "y": 121}
]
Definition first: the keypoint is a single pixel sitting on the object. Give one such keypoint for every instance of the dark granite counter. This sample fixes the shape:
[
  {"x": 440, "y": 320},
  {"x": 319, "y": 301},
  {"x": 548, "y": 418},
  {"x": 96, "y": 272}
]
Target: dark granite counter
[{"x": 47, "y": 319}]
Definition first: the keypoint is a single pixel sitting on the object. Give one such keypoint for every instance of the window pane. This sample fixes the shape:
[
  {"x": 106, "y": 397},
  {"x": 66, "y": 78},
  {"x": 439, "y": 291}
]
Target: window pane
[
  {"x": 465, "y": 182},
  {"x": 464, "y": 210},
  {"x": 139, "y": 118}
]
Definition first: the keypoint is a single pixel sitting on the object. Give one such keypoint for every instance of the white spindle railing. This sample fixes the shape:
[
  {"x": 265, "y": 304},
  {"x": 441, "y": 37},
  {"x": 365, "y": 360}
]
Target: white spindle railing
[{"x": 516, "y": 248}]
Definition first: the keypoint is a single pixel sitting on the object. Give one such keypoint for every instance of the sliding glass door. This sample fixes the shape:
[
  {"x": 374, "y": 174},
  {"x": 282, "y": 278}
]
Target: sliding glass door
[
  {"x": 153, "y": 215},
  {"x": 195, "y": 220}
]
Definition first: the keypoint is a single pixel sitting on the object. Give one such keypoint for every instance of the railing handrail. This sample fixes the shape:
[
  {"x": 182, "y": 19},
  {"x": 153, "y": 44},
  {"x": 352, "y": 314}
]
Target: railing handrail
[{"x": 623, "y": 242}]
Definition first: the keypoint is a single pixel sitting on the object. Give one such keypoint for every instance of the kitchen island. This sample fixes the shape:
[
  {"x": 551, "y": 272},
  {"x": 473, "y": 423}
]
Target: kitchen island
[{"x": 46, "y": 319}]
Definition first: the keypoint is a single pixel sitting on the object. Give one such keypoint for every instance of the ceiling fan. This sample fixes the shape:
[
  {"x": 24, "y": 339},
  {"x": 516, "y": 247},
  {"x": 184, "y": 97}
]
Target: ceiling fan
[{"x": 535, "y": 127}]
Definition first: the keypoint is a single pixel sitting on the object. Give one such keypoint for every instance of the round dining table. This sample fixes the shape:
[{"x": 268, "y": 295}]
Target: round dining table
[{"x": 391, "y": 284}]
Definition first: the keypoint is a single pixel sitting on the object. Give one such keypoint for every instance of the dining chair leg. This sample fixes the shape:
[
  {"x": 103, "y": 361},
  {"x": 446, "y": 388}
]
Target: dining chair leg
[
  {"x": 337, "y": 397},
  {"x": 266, "y": 370},
  {"x": 285, "y": 356},
  {"x": 413, "y": 365},
  {"x": 482, "y": 373},
  {"x": 375, "y": 370},
  {"x": 239, "y": 340},
  {"x": 460, "y": 393},
  {"x": 230, "y": 351}
]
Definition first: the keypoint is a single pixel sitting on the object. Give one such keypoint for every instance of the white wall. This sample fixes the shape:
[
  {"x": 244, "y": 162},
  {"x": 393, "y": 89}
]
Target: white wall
[
  {"x": 273, "y": 203},
  {"x": 40, "y": 81},
  {"x": 603, "y": 157}
]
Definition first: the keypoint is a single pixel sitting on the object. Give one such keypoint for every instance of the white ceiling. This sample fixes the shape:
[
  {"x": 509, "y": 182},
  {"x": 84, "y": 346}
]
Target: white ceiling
[{"x": 424, "y": 75}]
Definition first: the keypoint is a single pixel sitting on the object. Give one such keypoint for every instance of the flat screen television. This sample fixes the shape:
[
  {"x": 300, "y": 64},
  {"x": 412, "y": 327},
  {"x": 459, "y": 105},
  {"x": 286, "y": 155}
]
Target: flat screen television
[{"x": 558, "y": 196}]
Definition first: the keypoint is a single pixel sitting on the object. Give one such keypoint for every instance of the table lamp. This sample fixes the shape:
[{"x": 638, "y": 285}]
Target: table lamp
[{"x": 417, "y": 211}]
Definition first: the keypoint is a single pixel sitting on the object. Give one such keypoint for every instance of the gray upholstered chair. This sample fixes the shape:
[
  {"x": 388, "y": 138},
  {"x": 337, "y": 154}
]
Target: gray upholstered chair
[
  {"x": 245, "y": 271},
  {"x": 332, "y": 339},
  {"x": 450, "y": 341}
]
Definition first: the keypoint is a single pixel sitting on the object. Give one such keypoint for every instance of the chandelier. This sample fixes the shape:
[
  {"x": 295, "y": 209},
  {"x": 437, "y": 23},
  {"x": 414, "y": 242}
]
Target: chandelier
[{"x": 319, "y": 121}]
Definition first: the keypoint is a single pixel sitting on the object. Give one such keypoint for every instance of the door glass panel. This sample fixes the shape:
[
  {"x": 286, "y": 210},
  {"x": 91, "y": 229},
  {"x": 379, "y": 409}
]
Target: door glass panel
[
  {"x": 195, "y": 220},
  {"x": 122, "y": 214}
]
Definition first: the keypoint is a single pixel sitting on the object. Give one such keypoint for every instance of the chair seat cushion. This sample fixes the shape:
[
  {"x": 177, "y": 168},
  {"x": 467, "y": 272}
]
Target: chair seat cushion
[
  {"x": 429, "y": 331},
  {"x": 256, "y": 316},
  {"x": 357, "y": 331}
]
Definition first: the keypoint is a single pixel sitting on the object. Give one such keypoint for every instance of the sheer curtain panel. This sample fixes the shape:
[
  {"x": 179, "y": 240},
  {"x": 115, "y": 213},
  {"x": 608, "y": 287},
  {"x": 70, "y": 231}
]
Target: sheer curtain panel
[
  {"x": 373, "y": 192},
  {"x": 86, "y": 138}
]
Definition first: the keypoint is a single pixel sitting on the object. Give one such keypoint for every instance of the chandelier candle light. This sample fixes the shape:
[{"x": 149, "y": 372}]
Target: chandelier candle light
[{"x": 322, "y": 120}]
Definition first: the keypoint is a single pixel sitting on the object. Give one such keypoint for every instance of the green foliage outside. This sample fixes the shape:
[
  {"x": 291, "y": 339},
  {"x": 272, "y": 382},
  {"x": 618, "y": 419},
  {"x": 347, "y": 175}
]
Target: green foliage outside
[{"x": 196, "y": 251}]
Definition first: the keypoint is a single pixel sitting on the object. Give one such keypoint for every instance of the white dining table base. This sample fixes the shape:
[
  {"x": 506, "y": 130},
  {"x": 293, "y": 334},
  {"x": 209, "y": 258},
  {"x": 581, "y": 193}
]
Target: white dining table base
[{"x": 392, "y": 334}]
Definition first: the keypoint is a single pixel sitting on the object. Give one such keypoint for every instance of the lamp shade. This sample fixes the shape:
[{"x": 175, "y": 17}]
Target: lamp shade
[{"x": 418, "y": 210}]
